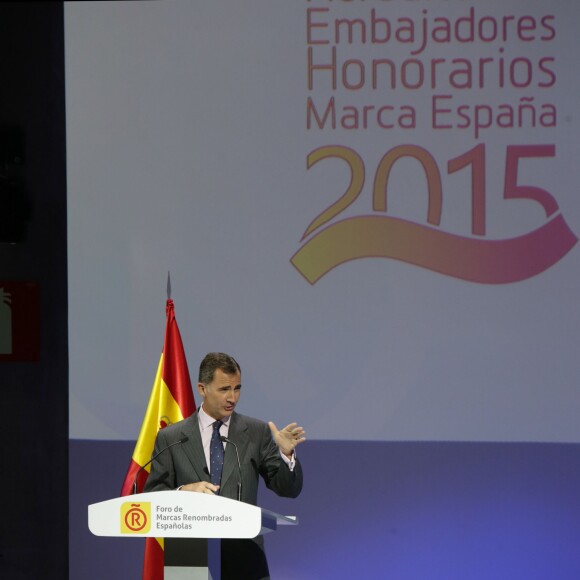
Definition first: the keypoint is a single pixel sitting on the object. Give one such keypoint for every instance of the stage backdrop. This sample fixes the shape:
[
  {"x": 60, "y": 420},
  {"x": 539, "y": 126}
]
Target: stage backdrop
[{"x": 372, "y": 204}]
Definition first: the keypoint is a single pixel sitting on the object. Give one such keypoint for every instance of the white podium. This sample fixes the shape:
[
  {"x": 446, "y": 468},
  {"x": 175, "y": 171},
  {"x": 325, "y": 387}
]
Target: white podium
[{"x": 202, "y": 518}]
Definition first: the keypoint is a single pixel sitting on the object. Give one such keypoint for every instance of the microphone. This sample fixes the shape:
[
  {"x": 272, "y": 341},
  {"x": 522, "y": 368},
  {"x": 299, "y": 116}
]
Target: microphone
[
  {"x": 182, "y": 440},
  {"x": 224, "y": 439}
]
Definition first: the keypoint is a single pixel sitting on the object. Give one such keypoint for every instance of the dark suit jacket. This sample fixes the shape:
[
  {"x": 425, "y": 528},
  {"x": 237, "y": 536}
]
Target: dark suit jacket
[{"x": 259, "y": 456}]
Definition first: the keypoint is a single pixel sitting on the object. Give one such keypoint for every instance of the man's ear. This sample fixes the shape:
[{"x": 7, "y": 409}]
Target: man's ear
[{"x": 201, "y": 389}]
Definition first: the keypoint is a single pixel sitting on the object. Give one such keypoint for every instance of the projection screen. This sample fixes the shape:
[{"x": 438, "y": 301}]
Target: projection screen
[{"x": 372, "y": 205}]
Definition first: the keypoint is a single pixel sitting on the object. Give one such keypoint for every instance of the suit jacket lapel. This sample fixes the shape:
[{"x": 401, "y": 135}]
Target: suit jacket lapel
[
  {"x": 238, "y": 434},
  {"x": 194, "y": 448}
]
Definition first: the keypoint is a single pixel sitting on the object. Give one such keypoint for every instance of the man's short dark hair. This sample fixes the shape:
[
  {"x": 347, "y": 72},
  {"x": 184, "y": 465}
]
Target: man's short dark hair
[{"x": 217, "y": 360}]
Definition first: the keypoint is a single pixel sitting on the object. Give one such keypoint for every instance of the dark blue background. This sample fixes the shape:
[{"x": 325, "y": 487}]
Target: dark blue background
[{"x": 399, "y": 511}]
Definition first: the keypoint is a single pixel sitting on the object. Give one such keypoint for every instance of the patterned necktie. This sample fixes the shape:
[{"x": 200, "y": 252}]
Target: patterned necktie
[{"x": 216, "y": 454}]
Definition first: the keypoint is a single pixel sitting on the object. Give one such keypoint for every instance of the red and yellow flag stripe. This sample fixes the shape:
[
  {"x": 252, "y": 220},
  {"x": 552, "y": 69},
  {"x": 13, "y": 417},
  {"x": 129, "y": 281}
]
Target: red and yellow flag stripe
[{"x": 171, "y": 400}]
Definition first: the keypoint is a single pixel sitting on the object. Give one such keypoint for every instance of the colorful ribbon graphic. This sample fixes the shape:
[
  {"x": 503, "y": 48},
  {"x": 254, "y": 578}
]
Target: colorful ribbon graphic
[{"x": 475, "y": 260}]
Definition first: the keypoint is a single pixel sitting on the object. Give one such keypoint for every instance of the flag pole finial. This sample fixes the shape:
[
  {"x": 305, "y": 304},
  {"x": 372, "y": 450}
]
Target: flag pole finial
[{"x": 168, "y": 285}]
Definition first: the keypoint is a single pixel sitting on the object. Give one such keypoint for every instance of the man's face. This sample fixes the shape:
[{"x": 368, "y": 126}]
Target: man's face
[{"x": 221, "y": 395}]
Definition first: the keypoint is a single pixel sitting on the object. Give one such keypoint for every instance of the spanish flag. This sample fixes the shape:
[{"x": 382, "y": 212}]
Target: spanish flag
[{"x": 171, "y": 400}]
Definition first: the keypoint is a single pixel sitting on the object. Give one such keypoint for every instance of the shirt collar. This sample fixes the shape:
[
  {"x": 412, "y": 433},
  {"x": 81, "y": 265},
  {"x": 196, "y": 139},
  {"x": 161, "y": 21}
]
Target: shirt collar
[{"x": 205, "y": 420}]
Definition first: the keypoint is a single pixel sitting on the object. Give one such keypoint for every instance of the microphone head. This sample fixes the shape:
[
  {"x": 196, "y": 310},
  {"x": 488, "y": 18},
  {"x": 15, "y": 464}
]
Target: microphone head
[
  {"x": 184, "y": 439},
  {"x": 224, "y": 439}
]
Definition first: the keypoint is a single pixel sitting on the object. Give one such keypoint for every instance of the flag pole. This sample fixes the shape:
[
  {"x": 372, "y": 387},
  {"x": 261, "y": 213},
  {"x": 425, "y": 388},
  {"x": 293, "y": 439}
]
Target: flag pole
[{"x": 171, "y": 400}]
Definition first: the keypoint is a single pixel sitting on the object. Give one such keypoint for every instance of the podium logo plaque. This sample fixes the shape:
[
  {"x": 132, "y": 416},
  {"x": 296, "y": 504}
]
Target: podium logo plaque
[{"x": 135, "y": 517}]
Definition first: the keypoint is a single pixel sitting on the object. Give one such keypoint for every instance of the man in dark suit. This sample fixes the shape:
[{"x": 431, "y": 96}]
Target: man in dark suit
[{"x": 263, "y": 451}]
